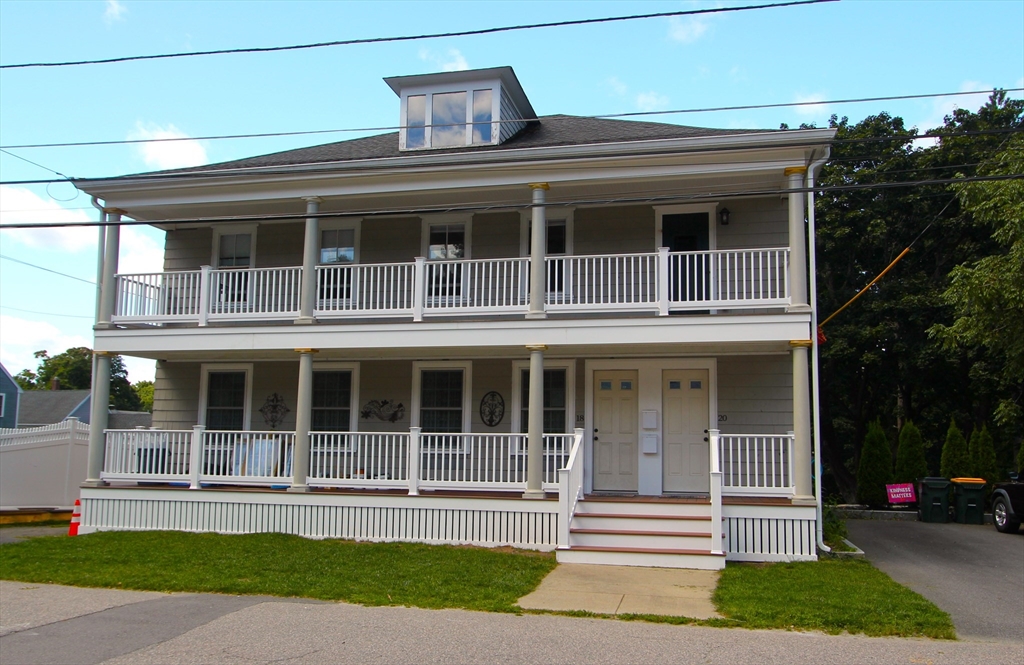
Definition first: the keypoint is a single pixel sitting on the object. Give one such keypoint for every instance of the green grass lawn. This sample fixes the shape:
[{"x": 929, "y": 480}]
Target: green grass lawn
[
  {"x": 829, "y": 595},
  {"x": 280, "y": 565}
]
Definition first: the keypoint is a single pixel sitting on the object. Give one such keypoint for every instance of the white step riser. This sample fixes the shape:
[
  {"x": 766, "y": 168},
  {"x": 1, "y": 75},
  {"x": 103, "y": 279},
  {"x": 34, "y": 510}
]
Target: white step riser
[
  {"x": 640, "y": 508},
  {"x": 643, "y": 559},
  {"x": 666, "y": 542},
  {"x": 582, "y": 521}
]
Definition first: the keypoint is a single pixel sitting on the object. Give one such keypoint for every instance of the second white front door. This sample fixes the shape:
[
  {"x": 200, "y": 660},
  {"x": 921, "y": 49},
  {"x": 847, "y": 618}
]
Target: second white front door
[
  {"x": 685, "y": 466},
  {"x": 615, "y": 430}
]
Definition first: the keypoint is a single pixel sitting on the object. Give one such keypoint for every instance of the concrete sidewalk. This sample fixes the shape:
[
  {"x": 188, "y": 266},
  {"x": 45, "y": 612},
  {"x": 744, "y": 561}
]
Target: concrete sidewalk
[
  {"x": 626, "y": 590},
  {"x": 204, "y": 628}
]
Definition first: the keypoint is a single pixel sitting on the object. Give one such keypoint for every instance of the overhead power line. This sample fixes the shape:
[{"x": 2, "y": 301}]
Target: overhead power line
[
  {"x": 391, "y": 128},
  {"x": 407, "y": 38},
  {"x": 32, "y": 311},
  {"x": 392, "y": 212},
  {"x": 32, "y": 265},
  {"x": 313, "y": 168}
]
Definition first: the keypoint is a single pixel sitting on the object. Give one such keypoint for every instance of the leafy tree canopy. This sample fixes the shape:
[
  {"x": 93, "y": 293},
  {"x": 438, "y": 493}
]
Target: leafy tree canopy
[{"x": 72, "y": 370}]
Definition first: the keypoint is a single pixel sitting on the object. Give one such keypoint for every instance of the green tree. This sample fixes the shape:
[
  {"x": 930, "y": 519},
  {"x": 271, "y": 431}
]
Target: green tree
[
  {"x": 956, "y": 462},
  {"x": 1020, "y": 459},
  {"x": 983, "y": 456},
  {"x": 875, "y": 469},
  {"x": 144, "y": 390},
  {"x": 72, "y": 370},
  {"x": 911, "y": 464}
]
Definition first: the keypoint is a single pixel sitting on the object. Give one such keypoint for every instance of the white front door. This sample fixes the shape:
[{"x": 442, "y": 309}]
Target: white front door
[
  {"x": 615, "y": 430},
  {"x": 686, "y": 463}
]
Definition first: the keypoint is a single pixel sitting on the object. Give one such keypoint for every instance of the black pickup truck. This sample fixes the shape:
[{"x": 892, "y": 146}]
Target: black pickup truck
[{"x": 1008, "y": 505}]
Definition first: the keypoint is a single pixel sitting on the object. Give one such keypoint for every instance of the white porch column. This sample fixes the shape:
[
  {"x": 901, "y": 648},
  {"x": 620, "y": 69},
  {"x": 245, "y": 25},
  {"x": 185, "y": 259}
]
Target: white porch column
[
  {"x": 309, "y": 260},
  {"x": 303, "y": 419},
  {"x": 801, "y": 421},
  {"x": 535, "y": 428},
  {"x": 99, "y": 405},
  {"x": 538, "y": 245},
  {"x": 108, "y": 286},
  {"x": 797, "y": 241}
]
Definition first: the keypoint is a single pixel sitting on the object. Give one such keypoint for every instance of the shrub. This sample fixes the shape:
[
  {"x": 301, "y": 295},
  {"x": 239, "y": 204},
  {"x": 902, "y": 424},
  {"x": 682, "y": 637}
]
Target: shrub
[
  {"x": 911, "y": 464},
  {"x": 875, "y": 469},
  {"x": 983, "y": 456},
  {"x": 955, "y": 462},
  {"x": 833, "y": 527}
]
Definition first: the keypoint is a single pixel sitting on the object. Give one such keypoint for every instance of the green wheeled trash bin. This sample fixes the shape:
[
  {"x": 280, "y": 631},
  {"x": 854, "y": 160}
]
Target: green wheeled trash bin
[
  {"x": 969, "y": 495},
  {"x": 933, "y": 500}
]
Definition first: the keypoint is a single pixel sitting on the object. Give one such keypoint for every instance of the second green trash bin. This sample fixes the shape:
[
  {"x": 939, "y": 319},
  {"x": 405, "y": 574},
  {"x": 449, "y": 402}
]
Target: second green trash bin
[
  {"x": 969, "y": 496},
  {"x": 933, "y": 500}
]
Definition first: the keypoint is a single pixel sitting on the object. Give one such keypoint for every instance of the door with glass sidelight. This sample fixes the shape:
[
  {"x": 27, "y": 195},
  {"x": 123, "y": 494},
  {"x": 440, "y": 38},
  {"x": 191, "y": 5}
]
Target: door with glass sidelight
[
  {"x": 615, "y": 431},
  {"x": 686, "y": 460}
]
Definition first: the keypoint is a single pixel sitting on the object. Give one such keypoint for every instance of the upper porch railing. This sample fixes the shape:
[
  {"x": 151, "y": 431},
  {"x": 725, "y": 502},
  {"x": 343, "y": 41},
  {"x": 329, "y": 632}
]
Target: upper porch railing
[{"x": 658, "y": 282}]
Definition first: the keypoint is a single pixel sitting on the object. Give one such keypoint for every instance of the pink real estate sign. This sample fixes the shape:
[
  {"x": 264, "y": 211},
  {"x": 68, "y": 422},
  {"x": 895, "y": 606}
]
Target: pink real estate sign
[{"x": 901, "y": 493}]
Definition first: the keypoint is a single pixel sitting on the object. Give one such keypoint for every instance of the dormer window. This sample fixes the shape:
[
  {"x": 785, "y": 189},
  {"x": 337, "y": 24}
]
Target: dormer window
[{"x": 458, "y": 109}]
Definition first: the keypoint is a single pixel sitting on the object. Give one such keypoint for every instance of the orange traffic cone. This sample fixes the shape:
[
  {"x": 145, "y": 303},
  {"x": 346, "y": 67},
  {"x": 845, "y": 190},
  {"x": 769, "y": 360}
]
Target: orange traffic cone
[{"x": 76, "y": 518}]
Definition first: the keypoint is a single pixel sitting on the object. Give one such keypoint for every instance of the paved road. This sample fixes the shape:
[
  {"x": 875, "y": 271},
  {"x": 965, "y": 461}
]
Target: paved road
[
  {"x": 12, "y": 534},
  {"x": 971, "y": 571},
  {"x": 141, "y": 628}
]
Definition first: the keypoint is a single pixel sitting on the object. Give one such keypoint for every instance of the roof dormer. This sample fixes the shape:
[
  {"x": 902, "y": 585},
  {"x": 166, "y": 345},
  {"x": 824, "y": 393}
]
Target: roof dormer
[{"x": 476, "y": 107}]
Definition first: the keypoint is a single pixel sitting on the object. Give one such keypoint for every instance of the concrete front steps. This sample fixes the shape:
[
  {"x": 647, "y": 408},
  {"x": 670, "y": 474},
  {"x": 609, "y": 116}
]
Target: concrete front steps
[{"x": 654, "y": 532}]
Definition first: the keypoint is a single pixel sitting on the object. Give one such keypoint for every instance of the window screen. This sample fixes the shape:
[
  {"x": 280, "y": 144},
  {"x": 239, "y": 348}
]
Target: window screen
[{"x": 441, "y": 400}]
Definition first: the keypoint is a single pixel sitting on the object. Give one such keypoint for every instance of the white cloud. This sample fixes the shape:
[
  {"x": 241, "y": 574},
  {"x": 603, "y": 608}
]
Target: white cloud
[
  {"x": 451, "y": 60},
  {"x": 686, "y": 30},
  {"x": 20, "y": 338},
  {"x": 811, "y": 110},
  {"x": 617, "y": 86},
  {"x": 19, "y": 205},
  {"x": 167, "y": 154},
  {"x": 114, "y": 12},
  {"x": 140, "y": 251},
  {"x": 652, "y": 101}
]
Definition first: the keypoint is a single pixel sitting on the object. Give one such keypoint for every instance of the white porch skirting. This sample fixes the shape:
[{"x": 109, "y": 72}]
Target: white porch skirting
[
  {"x": 769, "y": 533},
  {"x": 486, "y": 522}
]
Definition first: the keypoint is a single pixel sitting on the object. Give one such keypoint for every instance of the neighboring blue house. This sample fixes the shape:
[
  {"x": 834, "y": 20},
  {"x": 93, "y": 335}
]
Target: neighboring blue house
[{"x": 10, "y": 398}]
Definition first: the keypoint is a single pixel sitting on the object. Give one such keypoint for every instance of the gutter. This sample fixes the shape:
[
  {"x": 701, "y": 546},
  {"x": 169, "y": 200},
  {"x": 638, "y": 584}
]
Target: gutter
[{"x": 812, "y": 172}]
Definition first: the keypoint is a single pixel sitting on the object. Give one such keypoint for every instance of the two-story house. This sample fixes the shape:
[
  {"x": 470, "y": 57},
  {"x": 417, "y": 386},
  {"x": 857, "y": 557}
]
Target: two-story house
[{"x": 488, "y": 327}]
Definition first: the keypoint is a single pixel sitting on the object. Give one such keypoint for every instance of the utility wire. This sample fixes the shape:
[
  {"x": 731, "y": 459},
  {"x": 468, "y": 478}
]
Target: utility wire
[
  {"x": 605, "y": 116},
  {"x": 313, "y": 168},
  {"x": 439, "y": 35},
  {"x": 673, "y": 196},
  {"x": 32, "y": 311},
  {"x": 32, "y": 265},
  {"x": 45, "y": 168}
]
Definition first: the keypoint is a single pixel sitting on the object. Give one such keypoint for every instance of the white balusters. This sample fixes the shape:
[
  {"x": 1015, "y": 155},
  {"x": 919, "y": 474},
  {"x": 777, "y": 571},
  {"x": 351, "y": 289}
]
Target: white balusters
[
  {"x": 613, "y": 281},
  {"x": 160, "y": 296},
  {"x": 378, "y": 289},
  {"x": 140, "y": 454},
  {"x": 756, "y": 463},
  {"x": 257, "y": 458},
  {"x": 358, "y": 459},
  {"x": 261, "y": 293},
  {"x": 487, "y": 285},
  {"x": 728, "y": 278}
]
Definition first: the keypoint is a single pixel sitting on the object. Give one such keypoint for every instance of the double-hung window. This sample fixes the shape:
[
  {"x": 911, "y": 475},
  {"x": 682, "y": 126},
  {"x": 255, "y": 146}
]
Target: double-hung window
[
  {"x": 441, "y": 400},
  {"x": 224, "y": 397},
  {"x": 332, "y": 401},
  {"x": 555, "y": 401}
]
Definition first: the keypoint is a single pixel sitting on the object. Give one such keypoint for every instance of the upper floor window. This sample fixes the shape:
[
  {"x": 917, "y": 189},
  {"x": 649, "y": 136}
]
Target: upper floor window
[
  {"x": 450, "y": 119},
  {"x": 235, "y": 250},
  {"x": 338, "y": 246}
]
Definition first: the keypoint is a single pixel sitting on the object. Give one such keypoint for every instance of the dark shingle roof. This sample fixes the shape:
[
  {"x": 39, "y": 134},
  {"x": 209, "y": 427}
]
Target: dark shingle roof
[
  {"x": 551, "y": 131},
  {"x": 129, "y": 419},
  {"x": 45, "y": 407}
]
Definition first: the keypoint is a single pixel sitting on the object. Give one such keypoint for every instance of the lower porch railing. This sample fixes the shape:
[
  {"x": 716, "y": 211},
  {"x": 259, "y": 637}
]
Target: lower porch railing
[
  {"x": 380, "y": 460},
  {"x": 760, "y": 464}
]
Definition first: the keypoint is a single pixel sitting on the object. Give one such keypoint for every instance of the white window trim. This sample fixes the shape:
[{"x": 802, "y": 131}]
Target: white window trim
[
  {"x": 494, "y": 85},
  {"x": 3, "y": 404},
  {"x": 355, "y": 224},
  {"x": 433, "y": 220},
  {"x": 710, "y": 208},
  {"x": 467, "y": 389},
  {"x": 228, "y": 230},
  {"x": 353, "y": 413},
  {"x": 570, "y": 391},
  {"x": 551, "y": 214},
  {"x": 204, "y": 389}
]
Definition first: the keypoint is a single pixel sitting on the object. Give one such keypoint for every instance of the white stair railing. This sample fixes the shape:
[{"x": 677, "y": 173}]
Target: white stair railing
[
  {"x": 570, "y": 488},
  {"x": 358, "y": 459},
  {"x": 760, "y": 464},
  {"x": 147, "y": 455}
]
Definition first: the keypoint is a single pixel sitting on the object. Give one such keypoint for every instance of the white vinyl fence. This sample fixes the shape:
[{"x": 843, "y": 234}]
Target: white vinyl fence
[{"x": 43, "y": 466}]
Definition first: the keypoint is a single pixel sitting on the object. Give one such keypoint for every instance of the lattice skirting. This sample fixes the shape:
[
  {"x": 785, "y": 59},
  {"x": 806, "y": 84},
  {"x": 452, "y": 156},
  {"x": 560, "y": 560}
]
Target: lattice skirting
[
  {"x": 436, "y": 520},
  {"x": 756, "y": 533}
]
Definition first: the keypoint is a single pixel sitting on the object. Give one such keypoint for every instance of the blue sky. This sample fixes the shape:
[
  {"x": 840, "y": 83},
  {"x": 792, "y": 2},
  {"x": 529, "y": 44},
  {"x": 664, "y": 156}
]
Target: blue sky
[{"x": 830, "y": 51}]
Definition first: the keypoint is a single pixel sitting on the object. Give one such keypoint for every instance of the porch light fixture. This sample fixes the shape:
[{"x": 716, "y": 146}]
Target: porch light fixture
[{"x": 723, "y": 216}]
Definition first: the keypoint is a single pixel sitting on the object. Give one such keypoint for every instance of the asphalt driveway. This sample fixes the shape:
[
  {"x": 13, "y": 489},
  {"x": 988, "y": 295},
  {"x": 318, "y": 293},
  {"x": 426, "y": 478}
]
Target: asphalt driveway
[{"x": 973, "y": 572}]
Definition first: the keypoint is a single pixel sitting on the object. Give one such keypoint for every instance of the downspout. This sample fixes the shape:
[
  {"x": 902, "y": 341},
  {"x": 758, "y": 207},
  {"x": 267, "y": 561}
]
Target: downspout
[
  {"x": 100, "y": 246},
  {"x": 812, "y": 171}
]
